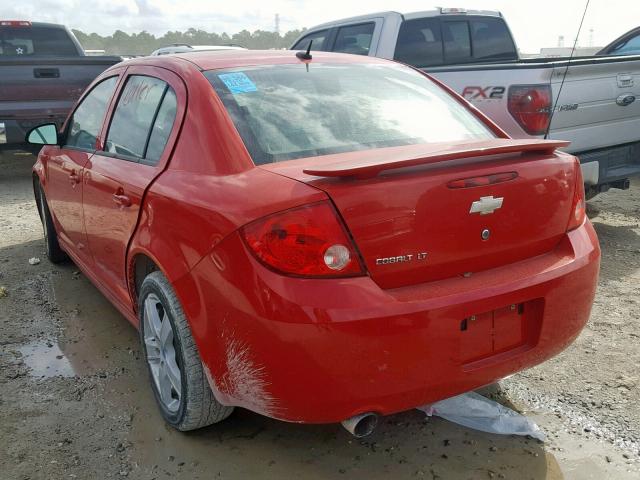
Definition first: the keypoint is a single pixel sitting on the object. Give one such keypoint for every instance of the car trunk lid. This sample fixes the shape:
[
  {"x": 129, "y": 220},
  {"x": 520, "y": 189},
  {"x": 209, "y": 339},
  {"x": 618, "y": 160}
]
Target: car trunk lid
[{"x": 426, "y": 212}]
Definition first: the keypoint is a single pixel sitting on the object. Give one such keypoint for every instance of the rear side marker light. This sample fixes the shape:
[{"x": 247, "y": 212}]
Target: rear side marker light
[
  {"x": 530, "y": 106},
  {"x": 579, "y": 206},
  {"x": 483, "y": 180},
  {"x": 308, "y": 241}
]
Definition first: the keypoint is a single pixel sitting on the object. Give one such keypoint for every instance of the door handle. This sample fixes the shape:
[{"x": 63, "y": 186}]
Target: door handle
[
  {"x": 121, "y": 200},
  {"x": 46, "y": 73},
  {"x": 74, "y": 178}
]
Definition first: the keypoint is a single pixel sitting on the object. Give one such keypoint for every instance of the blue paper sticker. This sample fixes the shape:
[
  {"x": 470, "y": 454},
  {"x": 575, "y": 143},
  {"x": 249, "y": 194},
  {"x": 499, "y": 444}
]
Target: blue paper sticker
[{"x": 238, "y": 82}]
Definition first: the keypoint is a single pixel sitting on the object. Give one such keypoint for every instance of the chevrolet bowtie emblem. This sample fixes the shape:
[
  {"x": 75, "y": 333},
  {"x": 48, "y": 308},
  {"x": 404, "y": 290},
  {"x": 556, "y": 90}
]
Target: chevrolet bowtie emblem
[{"x": 486, "y": 205}]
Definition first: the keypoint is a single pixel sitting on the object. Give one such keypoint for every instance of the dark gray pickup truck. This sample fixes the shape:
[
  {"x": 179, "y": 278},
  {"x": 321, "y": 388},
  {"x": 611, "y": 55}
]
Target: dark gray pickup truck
[{"x": 43, "y": 71}]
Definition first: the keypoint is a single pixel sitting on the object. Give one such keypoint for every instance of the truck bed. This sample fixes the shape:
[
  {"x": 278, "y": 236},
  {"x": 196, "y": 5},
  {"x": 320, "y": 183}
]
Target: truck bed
[{"x": 595, "y": 109}]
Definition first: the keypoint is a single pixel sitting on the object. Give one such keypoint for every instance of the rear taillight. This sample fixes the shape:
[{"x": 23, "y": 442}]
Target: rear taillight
[
  {"x": 579, "y": 207},
  {"x": 530, "y": 106},
  {"x": 307, "y": 241}
]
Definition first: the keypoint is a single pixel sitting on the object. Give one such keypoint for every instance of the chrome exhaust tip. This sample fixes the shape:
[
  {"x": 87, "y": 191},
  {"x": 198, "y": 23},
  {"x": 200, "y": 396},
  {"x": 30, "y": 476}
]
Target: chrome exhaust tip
[{"x": 361, "y": 425}]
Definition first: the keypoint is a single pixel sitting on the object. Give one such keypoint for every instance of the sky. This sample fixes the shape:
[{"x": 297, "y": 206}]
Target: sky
[{"x": 534, "y": 23}]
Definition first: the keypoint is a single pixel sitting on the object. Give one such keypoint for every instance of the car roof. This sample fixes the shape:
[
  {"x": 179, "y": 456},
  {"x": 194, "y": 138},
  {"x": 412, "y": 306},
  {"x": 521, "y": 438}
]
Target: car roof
[{"x": 218, "y": 59}]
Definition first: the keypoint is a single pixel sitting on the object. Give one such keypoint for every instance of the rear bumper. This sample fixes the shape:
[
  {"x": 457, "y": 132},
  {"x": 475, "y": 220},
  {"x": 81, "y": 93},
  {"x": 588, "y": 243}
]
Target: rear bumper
[
  {"x": 323, "y": 350},
  {"x": 611, "y": 164}
]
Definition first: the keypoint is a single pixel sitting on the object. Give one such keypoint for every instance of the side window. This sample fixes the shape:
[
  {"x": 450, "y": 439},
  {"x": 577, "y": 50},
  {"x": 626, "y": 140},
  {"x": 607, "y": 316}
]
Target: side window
[
  {"x": 419, "y": 43},
  {"x": 628, "y": 47},
  {"x": 134, "y": 115},
  {"x": 354, "y": 39},
  {"x": 161, "y": 128},
  {"x": 319, "y": 39},
  {"x": 457, "y": 44},
  {"x": 87, "y": 120},
  {"x": 491, "y": 39}
]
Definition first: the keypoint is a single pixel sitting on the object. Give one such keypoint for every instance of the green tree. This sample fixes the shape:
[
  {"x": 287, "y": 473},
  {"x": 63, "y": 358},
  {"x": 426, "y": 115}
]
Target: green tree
[{"x": 143, "y": 43}]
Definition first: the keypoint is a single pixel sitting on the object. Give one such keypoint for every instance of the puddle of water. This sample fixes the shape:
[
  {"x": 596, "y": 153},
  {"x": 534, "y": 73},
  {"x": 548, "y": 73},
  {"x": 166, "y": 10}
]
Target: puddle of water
[
  {"x": 45, "y": 359},
  {"x": 95, "y": 336}
]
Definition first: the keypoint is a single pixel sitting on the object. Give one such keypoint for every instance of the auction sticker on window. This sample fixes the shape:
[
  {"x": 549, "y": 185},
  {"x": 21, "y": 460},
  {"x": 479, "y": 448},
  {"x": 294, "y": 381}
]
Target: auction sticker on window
[{"x": 238, "y": 82}]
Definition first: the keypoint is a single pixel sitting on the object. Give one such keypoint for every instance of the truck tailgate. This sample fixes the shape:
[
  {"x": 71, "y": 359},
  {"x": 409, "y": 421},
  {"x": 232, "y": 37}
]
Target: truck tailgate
[
  {"x": 598, "y": 105},
  {"x": 41, "y": 87}
]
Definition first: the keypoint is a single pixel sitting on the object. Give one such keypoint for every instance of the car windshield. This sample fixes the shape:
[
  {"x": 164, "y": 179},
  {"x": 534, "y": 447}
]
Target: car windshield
[{"x": 285, "y": 112}]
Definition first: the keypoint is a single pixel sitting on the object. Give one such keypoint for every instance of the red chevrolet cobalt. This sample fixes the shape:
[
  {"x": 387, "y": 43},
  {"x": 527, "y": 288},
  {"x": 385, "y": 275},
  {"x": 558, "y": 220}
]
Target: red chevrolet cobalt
[{"x": 317, "y": 239}]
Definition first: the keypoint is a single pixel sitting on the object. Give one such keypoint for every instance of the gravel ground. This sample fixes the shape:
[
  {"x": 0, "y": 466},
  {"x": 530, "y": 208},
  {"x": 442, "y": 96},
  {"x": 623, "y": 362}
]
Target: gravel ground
[{"x": 75, "y": 400}]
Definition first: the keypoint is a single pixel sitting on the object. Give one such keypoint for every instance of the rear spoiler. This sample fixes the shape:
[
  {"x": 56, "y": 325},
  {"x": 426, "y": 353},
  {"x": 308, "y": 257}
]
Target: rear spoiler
[{"x": 373, "y": 162}]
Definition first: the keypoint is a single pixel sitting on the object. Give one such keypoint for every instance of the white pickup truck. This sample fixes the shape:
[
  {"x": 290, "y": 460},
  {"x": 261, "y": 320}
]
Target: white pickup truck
[{"x": 473, "y": 52}]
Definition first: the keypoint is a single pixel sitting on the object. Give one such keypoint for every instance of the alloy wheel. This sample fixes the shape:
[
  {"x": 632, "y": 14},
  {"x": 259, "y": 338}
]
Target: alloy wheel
[{"x": 161, "y": 353}]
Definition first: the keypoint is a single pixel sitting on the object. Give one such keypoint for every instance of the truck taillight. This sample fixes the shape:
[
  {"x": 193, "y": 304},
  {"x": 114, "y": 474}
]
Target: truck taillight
[
  {"x": 308, "y": 241},
  {"x": 579, "y": 207},
  {"x": 530, "y": 106}
]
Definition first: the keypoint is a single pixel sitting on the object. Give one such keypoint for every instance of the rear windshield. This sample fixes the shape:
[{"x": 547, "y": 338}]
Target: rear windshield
[
  {"x": 36, "y": 41},
  {"x": 429, "y": 41},
  {"x": 293, "y": 111}
]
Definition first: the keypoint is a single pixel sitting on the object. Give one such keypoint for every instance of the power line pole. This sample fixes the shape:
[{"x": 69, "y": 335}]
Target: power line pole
[{"x": 277, "y": 23}]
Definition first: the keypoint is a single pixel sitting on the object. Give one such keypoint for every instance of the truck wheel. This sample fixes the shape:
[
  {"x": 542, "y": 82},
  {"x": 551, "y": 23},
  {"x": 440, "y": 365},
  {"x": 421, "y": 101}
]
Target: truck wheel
[
  {"x": 590, "y": 192},
  {"x": 178, "y": 381},
  {"x": 54, "y": 253}
]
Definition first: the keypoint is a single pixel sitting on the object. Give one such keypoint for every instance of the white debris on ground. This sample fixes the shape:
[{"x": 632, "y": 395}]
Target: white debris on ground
[
  {"x": 472, "y": 410},
  {"x": 34, "y": 261},
  {"x": 3, "y": 292}
]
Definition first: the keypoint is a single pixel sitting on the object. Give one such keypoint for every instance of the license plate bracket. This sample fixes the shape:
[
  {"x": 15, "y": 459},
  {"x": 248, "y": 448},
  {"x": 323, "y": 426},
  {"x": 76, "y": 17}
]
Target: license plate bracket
[{"x": 490, "y": 333}]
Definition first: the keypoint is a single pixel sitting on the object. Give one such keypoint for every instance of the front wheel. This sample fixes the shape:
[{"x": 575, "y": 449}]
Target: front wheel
[
  {"x": 178, "y": 380},
  {"x": 54, "y": 253}
]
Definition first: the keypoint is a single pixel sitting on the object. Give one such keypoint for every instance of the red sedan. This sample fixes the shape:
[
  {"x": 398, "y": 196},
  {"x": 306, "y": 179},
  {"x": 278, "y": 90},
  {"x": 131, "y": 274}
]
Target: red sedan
[{"x": 315, "y": 239}]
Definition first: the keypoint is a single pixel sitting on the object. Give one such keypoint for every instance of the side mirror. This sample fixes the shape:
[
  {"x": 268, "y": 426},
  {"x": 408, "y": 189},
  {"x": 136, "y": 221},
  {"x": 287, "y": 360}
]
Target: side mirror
[{"x": 46, "y": 134}]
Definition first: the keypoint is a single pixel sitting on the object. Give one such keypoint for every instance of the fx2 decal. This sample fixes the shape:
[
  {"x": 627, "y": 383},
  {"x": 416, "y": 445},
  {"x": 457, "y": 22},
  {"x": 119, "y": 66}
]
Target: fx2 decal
[{"x": 477, "y": 93}]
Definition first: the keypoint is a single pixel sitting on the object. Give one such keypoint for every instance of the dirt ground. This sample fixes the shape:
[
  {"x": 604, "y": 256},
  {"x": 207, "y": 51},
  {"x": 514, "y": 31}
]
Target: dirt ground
[{"x": 75, "y": 400}]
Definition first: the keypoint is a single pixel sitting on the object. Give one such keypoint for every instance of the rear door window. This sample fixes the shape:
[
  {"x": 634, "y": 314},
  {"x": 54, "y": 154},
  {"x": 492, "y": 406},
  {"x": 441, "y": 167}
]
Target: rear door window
[
  {"x": 135, "y": 113},
  {"x": 36, "y": 41},
  {"x": 161, "y": 128},
  {"x": 355, "y": 39},
  {"x": 88, "y": 118},
  {"x": 319, "y": 40},
  {"x": 419, "y": 43}
]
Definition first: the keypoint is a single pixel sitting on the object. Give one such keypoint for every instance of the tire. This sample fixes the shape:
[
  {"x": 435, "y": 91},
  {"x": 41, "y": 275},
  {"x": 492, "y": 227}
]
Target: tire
[
  {"x": 55, "y": 254},
  {"x": 168, "y": 345}
]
